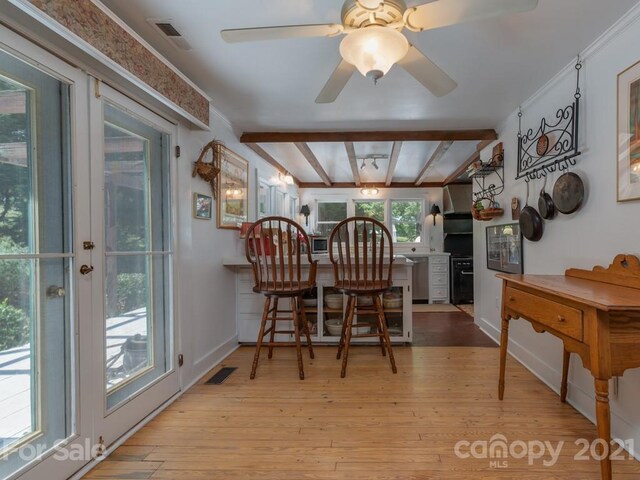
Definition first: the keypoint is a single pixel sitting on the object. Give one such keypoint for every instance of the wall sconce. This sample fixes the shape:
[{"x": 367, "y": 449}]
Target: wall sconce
[
  {"x": 304, "y": 210},
  {"x": 435, "y": 211},
  {"x": 370, "y": 191},
  {"x": 286, "y": 178}
]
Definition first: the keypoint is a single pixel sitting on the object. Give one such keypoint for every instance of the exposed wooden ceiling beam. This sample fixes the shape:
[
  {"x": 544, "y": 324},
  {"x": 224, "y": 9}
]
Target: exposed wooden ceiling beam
[
  {"x": 394, "y": 136},
  {"x": 393, "y": 161},
  {"x": 437, "y": 155},
  {"x": 262, "y": 153},
  {"x": 351, "y": 152},
  {"x": 374, "y": 184},
  {"x": 313, "y": 161},
  {"x": 462, "y": 168}
]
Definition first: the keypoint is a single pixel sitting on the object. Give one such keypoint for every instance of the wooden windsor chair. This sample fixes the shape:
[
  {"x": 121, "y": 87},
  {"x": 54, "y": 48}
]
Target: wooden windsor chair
[
  {"x": 361, "y": 251},
  {"x": 274, "y": 247}
]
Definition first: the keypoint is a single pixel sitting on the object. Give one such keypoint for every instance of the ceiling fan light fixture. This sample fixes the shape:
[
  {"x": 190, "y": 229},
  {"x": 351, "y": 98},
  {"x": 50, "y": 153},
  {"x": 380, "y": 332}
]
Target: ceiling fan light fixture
[{"x": 374, "y": 50}]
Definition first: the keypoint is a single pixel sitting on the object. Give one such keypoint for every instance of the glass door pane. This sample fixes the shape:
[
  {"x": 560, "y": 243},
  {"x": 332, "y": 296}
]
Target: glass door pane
[
  {"x": 36, "y": 259},
  {"x": 137, "y": 255}
]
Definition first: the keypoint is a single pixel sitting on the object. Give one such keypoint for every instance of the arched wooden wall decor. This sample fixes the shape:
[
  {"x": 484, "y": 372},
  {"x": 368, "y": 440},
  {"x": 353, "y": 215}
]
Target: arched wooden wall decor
[{"x": 209, "y": 171}]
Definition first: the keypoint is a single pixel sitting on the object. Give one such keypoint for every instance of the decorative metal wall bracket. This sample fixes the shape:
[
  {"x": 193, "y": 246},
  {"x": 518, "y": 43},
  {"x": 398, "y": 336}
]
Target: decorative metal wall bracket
[{"x": 555, "y": 144}]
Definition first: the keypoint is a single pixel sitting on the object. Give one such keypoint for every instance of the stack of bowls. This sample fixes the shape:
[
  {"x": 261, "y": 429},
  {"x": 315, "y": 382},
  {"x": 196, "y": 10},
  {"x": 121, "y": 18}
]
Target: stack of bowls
[{"x": 334, "y": 301}]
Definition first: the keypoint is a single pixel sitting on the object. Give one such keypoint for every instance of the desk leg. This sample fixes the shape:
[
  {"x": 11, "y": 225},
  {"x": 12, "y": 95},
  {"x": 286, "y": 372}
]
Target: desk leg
[
  {"x": 504, "y": 342},
  {"x": 603, "y": 416},
  {"x": 565, "y": 375}
]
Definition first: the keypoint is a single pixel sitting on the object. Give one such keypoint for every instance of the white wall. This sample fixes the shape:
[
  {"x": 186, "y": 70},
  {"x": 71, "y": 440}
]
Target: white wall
[
  {"x": 205, "y": 288},
  {"x": 592, "y": 236},
  {"x": 432, "y": 235}
]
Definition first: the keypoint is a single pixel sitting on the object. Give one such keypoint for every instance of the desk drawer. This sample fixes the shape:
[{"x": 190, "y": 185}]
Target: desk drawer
[{"x": 559, "y": 317}]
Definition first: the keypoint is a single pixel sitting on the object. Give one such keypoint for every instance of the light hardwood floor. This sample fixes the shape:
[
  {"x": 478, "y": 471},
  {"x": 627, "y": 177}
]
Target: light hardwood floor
[{"x": 370, "y": 425}]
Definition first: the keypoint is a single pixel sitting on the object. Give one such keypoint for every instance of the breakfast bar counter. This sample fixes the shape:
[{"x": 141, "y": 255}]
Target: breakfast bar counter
[{"x": 325, "y": 306}]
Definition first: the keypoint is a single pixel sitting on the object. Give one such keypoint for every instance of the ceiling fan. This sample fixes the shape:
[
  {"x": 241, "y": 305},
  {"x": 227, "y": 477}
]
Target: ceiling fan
[{"x": 374, "y": 42}]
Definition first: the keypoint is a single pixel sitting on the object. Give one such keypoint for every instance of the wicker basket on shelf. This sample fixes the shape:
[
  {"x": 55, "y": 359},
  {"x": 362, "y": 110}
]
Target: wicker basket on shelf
[{"x": 491, "y": 213}]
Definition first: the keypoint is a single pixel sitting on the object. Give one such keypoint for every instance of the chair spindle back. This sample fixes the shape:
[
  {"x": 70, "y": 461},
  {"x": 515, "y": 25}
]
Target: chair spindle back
[
  {"x": 274, "y": 247},
  {"x": 364, "y": 255}
]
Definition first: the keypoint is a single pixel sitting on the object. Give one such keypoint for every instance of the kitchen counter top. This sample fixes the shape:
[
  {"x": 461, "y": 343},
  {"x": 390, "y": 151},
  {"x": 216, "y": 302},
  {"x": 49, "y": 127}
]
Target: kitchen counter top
[
  {"x": 425, "y": 254},
  {"x": 241, "y": 261}
]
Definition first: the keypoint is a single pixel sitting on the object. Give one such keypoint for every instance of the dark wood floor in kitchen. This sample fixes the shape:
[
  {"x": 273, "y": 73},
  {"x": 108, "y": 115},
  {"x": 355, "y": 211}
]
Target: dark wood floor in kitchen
[{"x": 448, "y": 329}]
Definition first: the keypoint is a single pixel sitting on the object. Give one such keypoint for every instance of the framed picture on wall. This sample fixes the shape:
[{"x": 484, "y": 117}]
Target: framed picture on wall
[
  {"x": 233, "y": 190},
  {"x": 202, "y": 206},
  {"x": 263, "y": 196},
  {"x": 504, "y": 248},
  {"x": 629, "y": 134}
]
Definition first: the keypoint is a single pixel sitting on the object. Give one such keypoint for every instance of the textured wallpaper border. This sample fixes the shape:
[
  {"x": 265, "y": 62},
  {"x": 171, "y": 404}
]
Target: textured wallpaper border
[{"x": 94, "y": 26}]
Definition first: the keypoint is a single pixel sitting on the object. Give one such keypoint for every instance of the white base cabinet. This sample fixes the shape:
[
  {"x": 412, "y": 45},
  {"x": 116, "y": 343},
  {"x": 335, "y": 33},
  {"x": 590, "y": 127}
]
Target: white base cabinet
[
  {"x": 439, "y": 279},
  {"x": 250, "y": 306}
]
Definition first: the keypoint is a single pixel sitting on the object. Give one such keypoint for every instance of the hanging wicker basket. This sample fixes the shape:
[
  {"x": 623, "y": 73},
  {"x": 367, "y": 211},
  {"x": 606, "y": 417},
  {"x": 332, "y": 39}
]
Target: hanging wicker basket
[{"x": 209, "y": 171}]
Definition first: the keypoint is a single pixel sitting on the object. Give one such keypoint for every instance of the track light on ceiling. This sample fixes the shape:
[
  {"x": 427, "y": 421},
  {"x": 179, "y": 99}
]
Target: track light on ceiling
[{"x": 374, "y": 161}]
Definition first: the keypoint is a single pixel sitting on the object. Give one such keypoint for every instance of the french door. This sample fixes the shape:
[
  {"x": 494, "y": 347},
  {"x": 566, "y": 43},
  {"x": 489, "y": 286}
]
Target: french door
[
  {"x": 131, "y": 270},
  {"x": 87, "y": 331},
  {"x": 42, "y": 412}
]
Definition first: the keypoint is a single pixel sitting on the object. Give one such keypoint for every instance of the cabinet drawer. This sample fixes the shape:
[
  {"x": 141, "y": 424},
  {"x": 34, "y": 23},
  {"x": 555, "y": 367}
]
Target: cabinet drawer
[
  {"x": 436, "y": 292},
  {"x": 439, "y": 279},
  {"x": 438, "y": 260},
  {"x": 438, "y": 267},
  {"x": 556, "y": 316}
]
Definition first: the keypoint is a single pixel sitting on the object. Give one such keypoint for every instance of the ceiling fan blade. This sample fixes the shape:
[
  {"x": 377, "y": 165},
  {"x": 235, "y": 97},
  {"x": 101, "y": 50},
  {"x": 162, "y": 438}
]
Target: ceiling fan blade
[
  {"x": 427, "y": 73},
  {"x": 336, "y": 83},
  {"x": 278, "y": 33},
  {"x": 442, "y": 13}
]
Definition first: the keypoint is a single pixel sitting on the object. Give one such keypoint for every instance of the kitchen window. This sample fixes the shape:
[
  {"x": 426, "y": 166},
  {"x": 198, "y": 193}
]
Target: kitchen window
[
  {"x": 329, "y": 215},
  {"x": 370, "y": 208},
  {"x": 406, "y": 220}
]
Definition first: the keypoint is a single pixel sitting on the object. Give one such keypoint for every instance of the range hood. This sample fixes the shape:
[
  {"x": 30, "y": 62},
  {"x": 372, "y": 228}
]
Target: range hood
[{"x": 457, "y": 199}]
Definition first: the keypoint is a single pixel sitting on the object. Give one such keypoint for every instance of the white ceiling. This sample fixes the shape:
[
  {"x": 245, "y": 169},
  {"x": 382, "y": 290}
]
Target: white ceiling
[{"x": 272, "y": 85}]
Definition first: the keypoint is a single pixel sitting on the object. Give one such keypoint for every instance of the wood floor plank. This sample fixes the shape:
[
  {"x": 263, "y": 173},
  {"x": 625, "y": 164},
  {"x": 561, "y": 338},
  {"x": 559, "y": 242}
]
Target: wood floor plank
[{"x": 370, "y": 425}]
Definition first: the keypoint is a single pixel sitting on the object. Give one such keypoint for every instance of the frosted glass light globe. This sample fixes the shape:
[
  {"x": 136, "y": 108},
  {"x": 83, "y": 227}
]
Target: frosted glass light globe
[{"x": 374, "y": 50}]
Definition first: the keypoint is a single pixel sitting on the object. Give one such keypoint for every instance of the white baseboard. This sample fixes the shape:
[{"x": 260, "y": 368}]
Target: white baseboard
[{"x": 582, "y": 401}]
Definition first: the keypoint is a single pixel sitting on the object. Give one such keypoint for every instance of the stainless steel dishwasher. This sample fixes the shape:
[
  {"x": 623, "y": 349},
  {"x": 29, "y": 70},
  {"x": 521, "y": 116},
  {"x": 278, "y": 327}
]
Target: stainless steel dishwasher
[{"x": 420, "y": 278}]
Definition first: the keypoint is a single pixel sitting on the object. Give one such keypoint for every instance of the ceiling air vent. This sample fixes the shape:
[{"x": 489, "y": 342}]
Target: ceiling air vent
[{"x": 169, "y": 32}]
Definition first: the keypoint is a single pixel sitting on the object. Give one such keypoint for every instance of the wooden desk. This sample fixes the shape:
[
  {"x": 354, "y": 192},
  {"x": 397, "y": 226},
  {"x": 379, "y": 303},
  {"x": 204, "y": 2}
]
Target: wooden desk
[{"x": 595, "y": 313}]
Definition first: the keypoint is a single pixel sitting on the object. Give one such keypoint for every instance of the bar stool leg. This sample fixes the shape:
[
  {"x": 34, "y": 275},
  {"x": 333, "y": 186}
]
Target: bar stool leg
[
  {"x": 380, "y": 310},
  {"x": 344, "y": 327},
  {"x": 296, "y": 333},
  {"x": 347, "y": 334},
  {"x": 380, "y": 328},
  {"x": 265, "y": 314},
  {"x": 272, "y": 335},
  {"x": 305, "y": 325}
]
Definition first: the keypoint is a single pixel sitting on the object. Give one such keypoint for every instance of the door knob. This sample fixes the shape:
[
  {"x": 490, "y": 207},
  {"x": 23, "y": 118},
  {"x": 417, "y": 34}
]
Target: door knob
[
  {"x": 54, "y": 291},
  {"x": 85, "y": 269}
]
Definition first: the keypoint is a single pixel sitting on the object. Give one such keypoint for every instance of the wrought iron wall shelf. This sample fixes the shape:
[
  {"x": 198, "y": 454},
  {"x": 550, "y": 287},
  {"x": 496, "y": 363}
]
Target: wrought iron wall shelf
[
  {"x": 488, "y": 191},
  {"x": 555, "y": 144}
]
